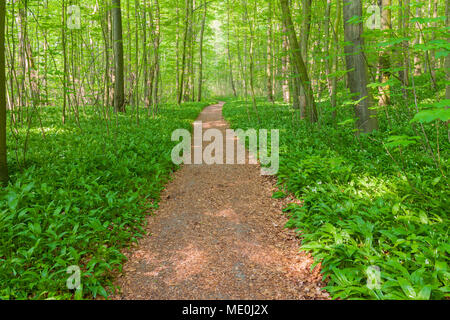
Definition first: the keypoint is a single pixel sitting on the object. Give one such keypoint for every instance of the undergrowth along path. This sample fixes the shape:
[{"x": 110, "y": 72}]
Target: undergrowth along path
[{"x": 218, "y": 234}]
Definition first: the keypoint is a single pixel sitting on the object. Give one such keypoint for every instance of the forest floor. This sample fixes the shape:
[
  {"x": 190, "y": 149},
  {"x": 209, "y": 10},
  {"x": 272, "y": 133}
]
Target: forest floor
[{"x": 219, "y": 234}]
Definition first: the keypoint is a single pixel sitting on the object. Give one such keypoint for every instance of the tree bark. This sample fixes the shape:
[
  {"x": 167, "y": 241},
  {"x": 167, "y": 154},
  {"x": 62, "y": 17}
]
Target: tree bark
[
  {"x": 269, "y": 67},
  {"x": 384, "y": 61},
  {"x": 200, "y": 65},
  {"x": 405, "y": 47},
  {"x": 447, "y": 62},
  {"x": 230, "y": 61},
  {"x": 183, "y": 62},
  {"x": 298, "y": 62},
  {"x": 305, "y": 30},
  {"x": 447, "y": 58},
  {"x": 157, "y": 41},
  {"x": 418, "y": 40},
  {"x": 285, "y": 66},
  {"x": 3, "y": 155},
  {"x": 333, "y": 90},
  {"x": 357, "y": 68},
  {"x": 119, "y": 90}
]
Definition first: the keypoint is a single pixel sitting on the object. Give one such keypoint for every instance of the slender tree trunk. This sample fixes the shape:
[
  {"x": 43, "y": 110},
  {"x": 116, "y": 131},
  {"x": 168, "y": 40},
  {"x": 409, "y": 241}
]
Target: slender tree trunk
[
  {"x": 177, "y": 49},
  {"x": 384, "y": 61},
  {"x": 252, "y": 60},
  {"x": 183, "y": 62},
  {"x": 269, "y": 67},
  {"x": 357, "y": 68},
  {"x": 200, "y": 65},
  {"x": 230, "y": 61},
  {"x": 3, "y": 155},
  {"x": 304, "y": 38},
  {"x": 137, "y": 72},
  {"x": 119, "y": 90},
  {"x": 156, "y": 57},
  {"x": 337, "y": 24},
  {"x": 403, "y": 27},
  {"x": 447, "y": 61},
  {"x": 285, "y": 66},
  {"x": 298, "y": 62},
  {"x": 145, "y": 58},
  {"x": 433, "y": 60},
  {"x": 190, "y": 94},
  {"x": 64, "y": 22},
  {"x": 418, "y": 40},
  {"x": 447, "y": 58},
  {"x": 326, "y": 48}
]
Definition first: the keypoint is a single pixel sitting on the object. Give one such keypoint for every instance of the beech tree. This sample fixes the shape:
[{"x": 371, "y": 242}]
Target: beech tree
[
  {"x": 3, "y": 160},
  {"x": 357, "y": 67},
  {"x": 119, "y": 86},
  {"x": 300, "y": 67}
]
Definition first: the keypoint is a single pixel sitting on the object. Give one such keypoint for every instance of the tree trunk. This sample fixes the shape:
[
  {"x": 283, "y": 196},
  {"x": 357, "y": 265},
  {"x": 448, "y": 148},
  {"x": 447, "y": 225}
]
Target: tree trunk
[
  {"x": 357, "y": 68},
  {"x": 3, "y": 155},
  {"x": 305, "y": 30},
  {"x": 405, "y": 47},
  {"x": 384, "y": 61},
  {"x": 177, "y": 50},
  {"x": 119, "y": 90},
  {"x": 418, "y": 40},
  {"x": 156, "y": 57},
  {"x": 447, "y": 62},
  {"x": 335, "y": 58},
  {"x": 200, "y": 65},
  {"x": 183, "y": 62},
  {"x": 230, "y": 62},
  {"x": 447, "y": 58},
  {"x": 298, "y": 62},
  {"x": 285, "y": 66},
  {"x": 269, "y": 68},
  {"x": 64, "y": 22}
]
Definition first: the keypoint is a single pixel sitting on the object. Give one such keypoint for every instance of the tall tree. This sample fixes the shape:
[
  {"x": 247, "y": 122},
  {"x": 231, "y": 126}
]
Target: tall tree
[
  {"x": 285, "y": 66},
  {"x": 183, "y": 62},
  {"x": 3, "y": 157},
  {"x": 119, "y": 89},
  {"x": 298, "y": 62},
  {"x": 447, "y": 61},
  {"x": 405, "y": 46},
  {"x": 230, "y": 61},
  {"x": 200, "y": 64},
  {"x": 332, "y": 63},
  {"x": 384, "y": 60},
  {"x": 64, "y": 45},
  {"x": 304, "y": 39},
  {"x": 269, "y": 65},
  {"x": 357, "y": 67},
  {"x": 447, "y": 58}
]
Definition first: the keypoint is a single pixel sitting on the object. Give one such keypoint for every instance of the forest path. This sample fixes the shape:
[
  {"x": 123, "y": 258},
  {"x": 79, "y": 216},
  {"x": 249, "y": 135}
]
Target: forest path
[{"x": 218, "y": 234}]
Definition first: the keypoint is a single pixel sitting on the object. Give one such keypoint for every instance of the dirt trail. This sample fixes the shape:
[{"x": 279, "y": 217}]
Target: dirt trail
[{"x": 218, "y": 234}]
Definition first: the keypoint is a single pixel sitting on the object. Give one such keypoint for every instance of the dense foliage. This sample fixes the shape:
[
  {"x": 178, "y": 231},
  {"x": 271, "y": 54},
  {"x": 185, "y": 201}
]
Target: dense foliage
[
  {"x": 81, "y": 196},
  {"x": 360, "y": 207}
]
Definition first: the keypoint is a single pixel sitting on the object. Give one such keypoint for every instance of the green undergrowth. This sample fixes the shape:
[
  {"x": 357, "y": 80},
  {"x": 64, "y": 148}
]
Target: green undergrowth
[
  {"x": 362, "y": 212},
  {"x": 80, "y": 196}
]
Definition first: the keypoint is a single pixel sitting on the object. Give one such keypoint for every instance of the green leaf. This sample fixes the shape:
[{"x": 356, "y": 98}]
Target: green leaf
[
  {"x": 427, "y": 116},
  {"x": 407, "y": 288},
  {"x": 424, "y": 293}
]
